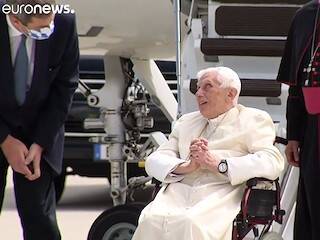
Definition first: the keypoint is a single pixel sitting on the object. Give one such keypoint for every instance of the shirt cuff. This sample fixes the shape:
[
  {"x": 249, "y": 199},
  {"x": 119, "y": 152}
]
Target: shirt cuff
[{"x": 173, "y": 177}]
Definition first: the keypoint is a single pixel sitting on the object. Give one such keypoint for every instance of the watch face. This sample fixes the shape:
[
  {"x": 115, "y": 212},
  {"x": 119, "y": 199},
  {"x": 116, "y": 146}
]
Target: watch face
[{"x": 223, "y": 167}]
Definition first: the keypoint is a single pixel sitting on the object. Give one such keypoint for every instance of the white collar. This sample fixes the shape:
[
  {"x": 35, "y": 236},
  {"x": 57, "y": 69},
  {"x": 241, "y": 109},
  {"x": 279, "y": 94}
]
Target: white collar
[
  {"x": 13, "y": 32},
  {"x": 214, "y": 122}
]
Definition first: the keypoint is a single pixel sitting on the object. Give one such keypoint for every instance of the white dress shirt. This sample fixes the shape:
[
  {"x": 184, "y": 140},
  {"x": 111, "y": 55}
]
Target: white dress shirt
[{"x": 15, "y": 38}]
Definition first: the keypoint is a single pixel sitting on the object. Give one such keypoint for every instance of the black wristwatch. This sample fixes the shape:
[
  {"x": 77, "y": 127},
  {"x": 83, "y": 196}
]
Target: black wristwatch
[{"x": 223, "y": 166}]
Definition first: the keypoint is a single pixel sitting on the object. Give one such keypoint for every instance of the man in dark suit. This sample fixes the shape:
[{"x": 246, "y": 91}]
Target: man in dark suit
[{"x": 39, "y": 57}]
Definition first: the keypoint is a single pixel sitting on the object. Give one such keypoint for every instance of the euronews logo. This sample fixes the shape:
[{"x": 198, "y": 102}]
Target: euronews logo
[{"x": 37, "y": 9}]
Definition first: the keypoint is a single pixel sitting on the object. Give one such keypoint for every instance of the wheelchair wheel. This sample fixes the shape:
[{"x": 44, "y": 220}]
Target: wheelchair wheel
[
  {"x": 272, "y": 236},
  {"x": 117, "y": 223}
]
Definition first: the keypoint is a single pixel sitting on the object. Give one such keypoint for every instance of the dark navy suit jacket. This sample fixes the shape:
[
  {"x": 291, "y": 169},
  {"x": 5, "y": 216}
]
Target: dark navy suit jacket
[{"x": 55, "y": 78}]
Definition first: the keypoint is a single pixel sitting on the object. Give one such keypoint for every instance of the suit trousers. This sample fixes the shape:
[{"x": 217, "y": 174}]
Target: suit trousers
[{"x": 35, "y": 200}]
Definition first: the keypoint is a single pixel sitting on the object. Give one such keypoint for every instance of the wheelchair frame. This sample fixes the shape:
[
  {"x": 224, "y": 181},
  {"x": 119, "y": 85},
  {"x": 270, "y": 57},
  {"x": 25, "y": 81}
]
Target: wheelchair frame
[{"x": 258, "y": 207}]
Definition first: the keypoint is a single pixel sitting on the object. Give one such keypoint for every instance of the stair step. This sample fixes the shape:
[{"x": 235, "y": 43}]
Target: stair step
[
  {"x": 242, "y": 47},
  {"x": 252, "y": 87},
  {"x": 272, "y": 21}
]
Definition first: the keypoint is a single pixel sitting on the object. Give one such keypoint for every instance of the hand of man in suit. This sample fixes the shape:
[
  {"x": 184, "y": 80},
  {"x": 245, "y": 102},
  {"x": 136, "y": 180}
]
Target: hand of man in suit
[
  {"x": 292, "y": 153},
  {"x": 33, "y": 161},
  {"x": 15, "y": 152}
]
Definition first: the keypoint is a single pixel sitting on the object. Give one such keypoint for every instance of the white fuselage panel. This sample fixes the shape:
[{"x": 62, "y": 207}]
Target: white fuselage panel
[{"x": 131, "y": 28}]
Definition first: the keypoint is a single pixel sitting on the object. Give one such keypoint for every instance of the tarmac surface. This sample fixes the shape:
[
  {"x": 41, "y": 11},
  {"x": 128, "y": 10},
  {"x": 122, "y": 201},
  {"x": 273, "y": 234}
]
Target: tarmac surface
[{"x": 83, "y": 201}]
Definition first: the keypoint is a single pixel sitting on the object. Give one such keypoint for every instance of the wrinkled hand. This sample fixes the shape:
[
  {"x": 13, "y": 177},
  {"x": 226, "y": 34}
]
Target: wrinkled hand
[
  {"x": 199, "y": 153},
  {"x": 15, "y": 152},
  {"x": 292, "y": 153},
  {"x": 33, "y": 161},
  {"x": 197, "y": 145},
  {"x": 186, "y": 167},
  {"x": 192, "y": 164}
]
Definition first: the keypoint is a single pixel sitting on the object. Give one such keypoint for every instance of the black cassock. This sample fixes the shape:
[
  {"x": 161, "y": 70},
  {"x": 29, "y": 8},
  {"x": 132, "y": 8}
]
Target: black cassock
[{"x": 302, "y": 126}]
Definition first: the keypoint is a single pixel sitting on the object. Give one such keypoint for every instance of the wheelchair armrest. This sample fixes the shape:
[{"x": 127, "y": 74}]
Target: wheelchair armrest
[
  {"x": 281, "y": 140},
  {"x": 254, "y": 181}
]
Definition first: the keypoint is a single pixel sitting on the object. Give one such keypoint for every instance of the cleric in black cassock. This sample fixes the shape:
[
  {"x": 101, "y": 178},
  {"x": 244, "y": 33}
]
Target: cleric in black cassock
[{"x": 303, "y": 129}]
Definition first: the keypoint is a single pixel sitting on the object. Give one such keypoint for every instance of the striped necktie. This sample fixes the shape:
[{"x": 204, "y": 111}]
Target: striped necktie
[{"x": 21, "y": 71}]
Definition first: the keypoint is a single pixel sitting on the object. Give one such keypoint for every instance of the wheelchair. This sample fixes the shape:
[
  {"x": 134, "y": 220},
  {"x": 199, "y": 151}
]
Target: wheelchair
[{"x": 260, "y": 205}]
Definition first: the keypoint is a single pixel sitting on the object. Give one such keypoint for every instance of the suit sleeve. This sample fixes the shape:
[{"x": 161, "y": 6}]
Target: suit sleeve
[
  {"x": 4, "y": 131},
  {"x": 52, "y": 117},
  {"x": 286, "y": 71},
  {"x": 296, "y": 113},
  {"x": 264, "y": 159},
  {"x": 288, "y": 74}
]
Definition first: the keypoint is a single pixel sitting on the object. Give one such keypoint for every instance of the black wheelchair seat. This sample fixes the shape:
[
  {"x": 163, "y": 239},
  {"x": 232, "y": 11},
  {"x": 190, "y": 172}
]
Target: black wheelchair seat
[{"x": 261, "y": 203}]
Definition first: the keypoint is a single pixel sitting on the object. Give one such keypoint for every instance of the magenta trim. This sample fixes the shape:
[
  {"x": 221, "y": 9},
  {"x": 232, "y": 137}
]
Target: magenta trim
[{"x": 312, "y": 99}]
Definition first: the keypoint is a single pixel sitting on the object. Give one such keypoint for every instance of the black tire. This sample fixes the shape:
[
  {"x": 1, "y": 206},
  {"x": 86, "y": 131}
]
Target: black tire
[
  {"x": 59, "y": 184},
  {"x": 117, "y": 223}
]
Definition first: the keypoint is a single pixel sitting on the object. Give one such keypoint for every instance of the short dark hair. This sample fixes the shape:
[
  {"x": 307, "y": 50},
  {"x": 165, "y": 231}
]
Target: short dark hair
[{"x": 26, "y": 17}]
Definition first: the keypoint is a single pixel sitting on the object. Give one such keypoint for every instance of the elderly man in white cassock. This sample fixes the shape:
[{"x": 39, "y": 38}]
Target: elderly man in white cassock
[{"x": 210, "y": 154}]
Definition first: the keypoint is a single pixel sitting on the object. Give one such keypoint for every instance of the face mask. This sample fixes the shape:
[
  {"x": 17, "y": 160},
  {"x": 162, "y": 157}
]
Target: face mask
[{"x": 42, "y": 33}]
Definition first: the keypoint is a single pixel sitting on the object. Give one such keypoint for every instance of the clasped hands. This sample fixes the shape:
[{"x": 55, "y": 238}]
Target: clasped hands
[
  {"x": 21, "y": 159},
  {"x": 199, "y": 157}
]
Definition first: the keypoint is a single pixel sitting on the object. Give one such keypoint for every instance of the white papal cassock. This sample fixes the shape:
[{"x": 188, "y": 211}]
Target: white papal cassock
[{"x": 203, "y": 204}]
